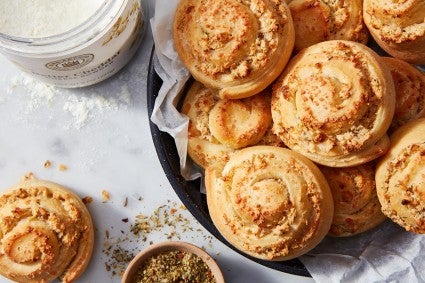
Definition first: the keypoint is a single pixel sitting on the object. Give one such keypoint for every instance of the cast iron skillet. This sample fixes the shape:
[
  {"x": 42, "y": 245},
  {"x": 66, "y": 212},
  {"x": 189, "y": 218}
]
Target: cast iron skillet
[{"x": 188, "y": 191}]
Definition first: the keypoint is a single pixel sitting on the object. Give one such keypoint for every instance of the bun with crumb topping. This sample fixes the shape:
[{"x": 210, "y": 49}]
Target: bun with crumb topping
[
  {"x": 235, "y": 47},
  {"x": 320, "y": 20},
  {"x": 269, "y": 202},
  {"x": 334, "y": 104},
  {"x": 409, "y": 83},
  {"x": 357, "y": 208},
  {"x": 400, "y": 177},
  {"x": 398, "y": 27},
  {"x": 218, "y": 127},
  {"x": 46, "y": 233}
]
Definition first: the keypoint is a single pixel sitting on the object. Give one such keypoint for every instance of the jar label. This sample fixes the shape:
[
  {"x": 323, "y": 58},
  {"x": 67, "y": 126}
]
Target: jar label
[{"x": 70, "y": 63}]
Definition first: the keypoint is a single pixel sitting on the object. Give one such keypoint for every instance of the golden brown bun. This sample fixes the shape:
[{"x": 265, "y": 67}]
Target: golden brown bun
[
  {"x": 409, "y": 83},
  {"x": 398, "y": 27},
  {"x": 46, "y": 233},
  {"x": 320, "y": 20},
  {"x": 269, "y": 202},
  {"x": 400, "y": 177},
  {"x": 202, "y": 147},
  {"x": 237, "y": 48},
  {"x": 219, "y": 126},
  {"x": 357, "y": 208},
  {"x": 334, "y": 104},
  {"x": 241, "y": 122}
]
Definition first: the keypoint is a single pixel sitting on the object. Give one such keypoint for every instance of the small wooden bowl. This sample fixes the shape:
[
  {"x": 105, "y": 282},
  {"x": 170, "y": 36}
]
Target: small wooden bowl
[{"x": 152, "y": 250}]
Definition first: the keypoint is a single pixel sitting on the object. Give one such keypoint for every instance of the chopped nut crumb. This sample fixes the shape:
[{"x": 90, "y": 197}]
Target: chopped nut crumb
[
  {"x": 87, "y": 200},
  {"x": 63, "y": 167},
  {"x": 105, "y": 196},
  {"x": 47, "y": 164},
  {"x": 28, "y": 176}
]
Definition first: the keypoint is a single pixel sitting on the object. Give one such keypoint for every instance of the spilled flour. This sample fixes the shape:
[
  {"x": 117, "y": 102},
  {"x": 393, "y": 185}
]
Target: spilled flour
[{"x": 82, "y": 104}]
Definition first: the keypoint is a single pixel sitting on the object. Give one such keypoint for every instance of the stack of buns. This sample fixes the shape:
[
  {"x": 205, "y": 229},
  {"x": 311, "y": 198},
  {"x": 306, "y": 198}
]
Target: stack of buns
[{"x": 302, "y": 129}]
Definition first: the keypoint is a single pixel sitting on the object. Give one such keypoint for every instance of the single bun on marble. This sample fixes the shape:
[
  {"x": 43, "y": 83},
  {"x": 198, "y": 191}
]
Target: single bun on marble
[
  {"x": 320, "y": 20},
  {"x": 235, "y": 47},
  {"x": 269, "y": 202},
  {"x": 46, "y": 233},
  {"x": 357, "y": 208},
  {"x": 398, "y": 27},
  {"x": 400, "y": 177},
  {"x": 409, "y": 83},
  {"x": 218, "y": 127},
  {"x": 334, "y": 104}
]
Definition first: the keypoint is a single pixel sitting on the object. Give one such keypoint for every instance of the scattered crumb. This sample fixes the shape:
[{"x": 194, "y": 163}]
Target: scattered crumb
[
  {"x": 119, "y": 257},
  {"x": 47, "y": 164},
  {"x": 166, "y": 220},
  {"x": 105, "y": 196},
  {"x": 164, "y": 217},
  {"x": 63, "y": 167},
  {"x": 126, "y": 202},
  {"x": 28, "y": 176},
  {"x": 87, "y": 200}
]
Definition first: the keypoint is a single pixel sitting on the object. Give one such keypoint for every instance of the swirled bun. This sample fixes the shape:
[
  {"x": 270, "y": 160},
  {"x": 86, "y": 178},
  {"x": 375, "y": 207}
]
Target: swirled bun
[
  {"x": 320, "y": 20},
  {"x": 218, "y": 127},
  {"x": 269, "y": 202},
  {"x": 46, "y": 233},
  {"x": 241, "y": 122},
  {"x": 334, "y": 104},
  {"x": 237, "y": 48},
  {"x": 400, "y": 177},
  {"x": 202, "y": 147},
  {"x": 409, "y": 83},
  {"x": 357, "y": 208},
  {"x": 398, "y": 27}
]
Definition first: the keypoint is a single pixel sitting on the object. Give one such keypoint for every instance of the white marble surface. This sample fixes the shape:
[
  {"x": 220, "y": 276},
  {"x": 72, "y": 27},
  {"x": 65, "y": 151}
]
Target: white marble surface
[{"x": 109, "y": 149}]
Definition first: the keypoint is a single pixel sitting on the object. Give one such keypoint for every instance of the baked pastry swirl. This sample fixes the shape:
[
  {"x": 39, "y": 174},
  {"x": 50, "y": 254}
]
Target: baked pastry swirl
[
  {"x": 409, "y": 83},
  {"x": 357, "y": 208},
  {"x": 217, "y": 127},
  {"x": 320, "y": 20},
  {"x": 235, "y": 47},
  {"x": 400, "y": 177},
  {"x": 241, "y": 122},
  {"x": 398, "y": 27},
  {"x": 269, "y": 202},
  {"x": 334, "y": 104},
  {"x": 46, "y": 232}
]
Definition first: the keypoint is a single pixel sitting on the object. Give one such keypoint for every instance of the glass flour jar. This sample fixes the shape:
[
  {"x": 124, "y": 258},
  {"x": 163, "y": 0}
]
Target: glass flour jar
[{"x": 86, "y": 54}]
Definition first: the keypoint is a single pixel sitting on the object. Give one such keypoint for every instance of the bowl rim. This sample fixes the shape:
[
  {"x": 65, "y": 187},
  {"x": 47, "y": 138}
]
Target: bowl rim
[{"x": 171, "y": 246}]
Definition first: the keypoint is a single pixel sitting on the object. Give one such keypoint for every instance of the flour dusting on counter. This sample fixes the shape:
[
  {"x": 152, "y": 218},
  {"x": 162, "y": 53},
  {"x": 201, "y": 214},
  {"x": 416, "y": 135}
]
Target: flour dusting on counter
[
  {"x": 39, "y": 93},
  {"x": 83, "y": 108},
  {"x": 82, "y": 105}
]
